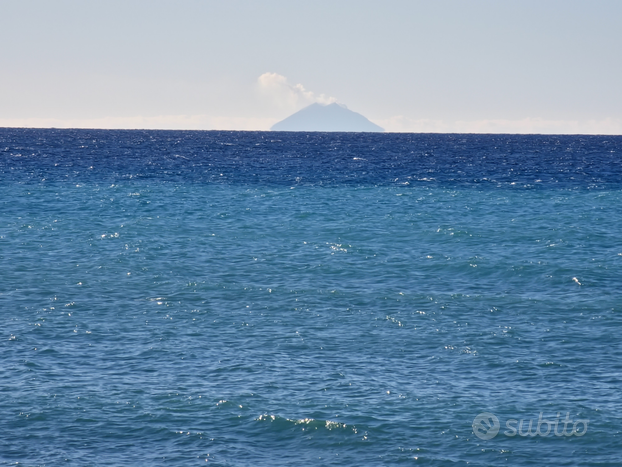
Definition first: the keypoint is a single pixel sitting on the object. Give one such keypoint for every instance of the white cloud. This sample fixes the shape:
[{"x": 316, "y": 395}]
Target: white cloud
[
  {"x": 400, "y": 124},
  {"x": 161, "y": 122},
  {"x": 286, "y": 95}
]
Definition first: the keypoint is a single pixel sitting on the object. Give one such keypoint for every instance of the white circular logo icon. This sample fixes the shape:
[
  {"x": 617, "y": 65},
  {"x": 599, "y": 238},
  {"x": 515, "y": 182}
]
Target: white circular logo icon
[{"x": 486, "y": 426}]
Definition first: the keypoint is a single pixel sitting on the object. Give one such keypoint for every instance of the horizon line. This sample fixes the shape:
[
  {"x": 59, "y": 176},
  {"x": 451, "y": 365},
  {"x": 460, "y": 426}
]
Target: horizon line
[
  {"x": 310, "y": 131},
  {"x": 395, "y": 124}
]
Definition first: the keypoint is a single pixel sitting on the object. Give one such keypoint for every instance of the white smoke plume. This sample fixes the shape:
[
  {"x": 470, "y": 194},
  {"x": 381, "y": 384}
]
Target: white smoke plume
[{"x": 287, "y": 95}]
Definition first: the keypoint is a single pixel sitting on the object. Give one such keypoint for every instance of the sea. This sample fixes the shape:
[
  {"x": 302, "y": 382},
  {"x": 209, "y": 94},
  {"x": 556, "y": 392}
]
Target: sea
[{"x": 224, "y": 298}]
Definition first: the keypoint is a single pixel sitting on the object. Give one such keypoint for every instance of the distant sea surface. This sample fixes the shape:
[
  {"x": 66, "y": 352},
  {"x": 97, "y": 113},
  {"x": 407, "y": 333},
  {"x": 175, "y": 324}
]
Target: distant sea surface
[{"x": 263, "y": 298}]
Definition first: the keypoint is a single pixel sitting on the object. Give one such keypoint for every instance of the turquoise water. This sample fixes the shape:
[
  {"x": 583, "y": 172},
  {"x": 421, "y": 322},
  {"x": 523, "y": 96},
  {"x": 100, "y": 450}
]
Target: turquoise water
[{"x": 300, "y": 310}]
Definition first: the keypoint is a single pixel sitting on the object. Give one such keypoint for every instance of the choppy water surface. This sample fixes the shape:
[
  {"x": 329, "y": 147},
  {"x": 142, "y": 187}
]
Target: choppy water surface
[{"x": 168, "y": 298}]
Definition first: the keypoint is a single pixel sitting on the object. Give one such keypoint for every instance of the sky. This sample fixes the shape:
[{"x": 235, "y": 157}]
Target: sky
[{"x": 476, "y": 66}]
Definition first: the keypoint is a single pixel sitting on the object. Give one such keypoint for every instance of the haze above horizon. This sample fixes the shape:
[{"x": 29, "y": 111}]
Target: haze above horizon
[{"x": 447, "y": 66}]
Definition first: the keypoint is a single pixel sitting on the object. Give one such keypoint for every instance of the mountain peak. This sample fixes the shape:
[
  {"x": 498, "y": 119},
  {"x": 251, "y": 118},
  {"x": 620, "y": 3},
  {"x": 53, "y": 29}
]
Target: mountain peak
[{"x": 331, "y": 117}]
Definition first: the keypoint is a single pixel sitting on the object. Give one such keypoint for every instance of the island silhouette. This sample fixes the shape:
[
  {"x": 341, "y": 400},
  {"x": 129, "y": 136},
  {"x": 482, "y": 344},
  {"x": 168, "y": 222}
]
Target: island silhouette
[{"x": 331, "y": 117}]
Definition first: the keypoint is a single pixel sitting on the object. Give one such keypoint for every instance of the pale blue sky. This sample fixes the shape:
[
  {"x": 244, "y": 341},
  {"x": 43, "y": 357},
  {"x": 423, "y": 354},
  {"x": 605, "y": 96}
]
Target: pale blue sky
[{"x": 443, "y": 65}]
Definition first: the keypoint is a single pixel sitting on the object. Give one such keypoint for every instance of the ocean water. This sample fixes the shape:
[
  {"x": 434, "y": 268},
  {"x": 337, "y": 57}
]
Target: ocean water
[{"x": 251, "y": 298}]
